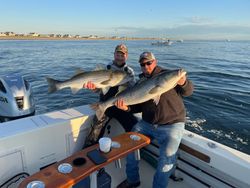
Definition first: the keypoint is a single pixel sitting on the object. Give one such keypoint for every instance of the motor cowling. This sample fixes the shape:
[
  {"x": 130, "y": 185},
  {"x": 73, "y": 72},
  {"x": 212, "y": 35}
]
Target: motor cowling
[{"x": 16, "y": 98}]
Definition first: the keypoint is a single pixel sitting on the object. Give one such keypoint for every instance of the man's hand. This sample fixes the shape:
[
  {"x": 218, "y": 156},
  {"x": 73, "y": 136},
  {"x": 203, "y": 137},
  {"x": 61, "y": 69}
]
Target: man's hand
[
  {"x": 89, "y": 85},
  {"x": 121, "y": 105}
]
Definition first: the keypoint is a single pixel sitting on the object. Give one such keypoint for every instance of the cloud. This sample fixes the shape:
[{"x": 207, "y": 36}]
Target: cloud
[
  {"x": 197, "y": 20},
  {"x": 189, "y": 31}
]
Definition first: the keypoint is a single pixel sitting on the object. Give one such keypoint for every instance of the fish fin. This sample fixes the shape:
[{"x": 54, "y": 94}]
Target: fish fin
[
  {"x": 106, "y": 82},
  {"x": 121, "y": 89},
  {"x": 157, "y": 99},
  {"x": 52, "y": 85},
  {"x": 154, "y": 90},
  {"x": 74, "y": 90},
  {"x": 105, "y": 90},
  {"x": 100, "y": 110},
  {"x": 100, "y": 67}
]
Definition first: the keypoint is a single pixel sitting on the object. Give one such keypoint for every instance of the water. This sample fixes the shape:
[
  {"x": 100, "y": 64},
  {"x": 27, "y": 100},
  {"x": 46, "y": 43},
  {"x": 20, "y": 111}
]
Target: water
[{"x": 219, "y": 108}]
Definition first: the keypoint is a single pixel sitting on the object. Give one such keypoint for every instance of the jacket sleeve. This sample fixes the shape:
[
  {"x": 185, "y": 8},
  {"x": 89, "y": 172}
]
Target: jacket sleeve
[
  {"x": 136, "y": 108},
  {"x": 131, "y": 72},
  {"x": 185, "y": 90}
]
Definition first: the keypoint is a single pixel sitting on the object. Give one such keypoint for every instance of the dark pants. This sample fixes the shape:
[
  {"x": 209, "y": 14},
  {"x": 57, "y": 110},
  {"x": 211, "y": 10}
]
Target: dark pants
[{"x": 126, "y": 119}]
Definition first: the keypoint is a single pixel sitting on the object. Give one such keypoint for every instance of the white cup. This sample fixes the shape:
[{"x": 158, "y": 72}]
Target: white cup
[{"x": 105, "y": 144}]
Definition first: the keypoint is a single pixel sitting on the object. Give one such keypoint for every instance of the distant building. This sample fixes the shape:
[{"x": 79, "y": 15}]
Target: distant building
[
  {"x": 10, "y": 33},
  {"x": 33, "y": 34},
  {"x": 115, "y": 37},
  {"x": 2, "y": 34},
  {"x": 52, "y": 35},
  {"x": 93, "y": 37},
  {"x": 67, "y": 36},
  {"x": 20, "y": 35}
]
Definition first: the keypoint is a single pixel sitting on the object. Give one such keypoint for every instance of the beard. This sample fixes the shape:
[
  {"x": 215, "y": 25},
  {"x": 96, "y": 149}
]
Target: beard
[{"x": 119, "y": 63}]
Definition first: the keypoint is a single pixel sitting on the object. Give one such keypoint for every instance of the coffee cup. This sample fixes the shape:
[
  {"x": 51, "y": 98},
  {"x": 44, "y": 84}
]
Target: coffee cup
[{"x": 105, "y": 144}]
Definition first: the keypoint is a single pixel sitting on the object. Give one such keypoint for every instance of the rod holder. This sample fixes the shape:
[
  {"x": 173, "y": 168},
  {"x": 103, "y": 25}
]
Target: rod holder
[
  {"x": 118, "y": 163},
  {"x": 93, "y": 179},
  {"x": 137, "y": 155}
]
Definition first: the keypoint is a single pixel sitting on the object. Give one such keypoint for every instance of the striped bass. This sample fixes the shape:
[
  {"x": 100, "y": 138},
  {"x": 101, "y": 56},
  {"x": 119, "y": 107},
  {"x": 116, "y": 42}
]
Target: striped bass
[
  {"x": 103, "y": 79},
  {"x": 143, "y": 91}
]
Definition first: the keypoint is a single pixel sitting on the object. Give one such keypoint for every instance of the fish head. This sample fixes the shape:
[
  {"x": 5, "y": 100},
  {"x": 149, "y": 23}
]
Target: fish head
[{"x": 122, "y": 77}]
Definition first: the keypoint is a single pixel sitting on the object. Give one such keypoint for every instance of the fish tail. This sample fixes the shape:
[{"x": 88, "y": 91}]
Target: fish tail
[
  {"x": 100, "y": 110},
  {"x": 52, "y": 85}
]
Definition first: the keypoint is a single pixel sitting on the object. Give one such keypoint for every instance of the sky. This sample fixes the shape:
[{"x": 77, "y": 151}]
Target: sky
[{"x": 177, "y": 19}]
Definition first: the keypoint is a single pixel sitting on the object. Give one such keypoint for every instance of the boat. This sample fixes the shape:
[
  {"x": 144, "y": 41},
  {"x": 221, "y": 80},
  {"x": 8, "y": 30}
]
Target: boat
[
  {"x": 180, "y": 40},
  {"x": 163, "y": 43},
  {"x": 31, "y": 144}
]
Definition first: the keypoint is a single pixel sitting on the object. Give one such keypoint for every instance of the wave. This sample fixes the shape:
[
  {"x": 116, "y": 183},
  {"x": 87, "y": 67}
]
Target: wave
[
  {"x": 191, "y": 59},
  {"x": 227, "y": 61},
  {"x": 5, "y": 53},
  {"x": 230, "y": 138},
  {"x": 213, "y": 74}
]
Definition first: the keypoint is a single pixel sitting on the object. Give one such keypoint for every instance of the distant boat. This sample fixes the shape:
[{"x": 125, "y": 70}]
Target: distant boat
[
  {"x": 180, "y": 40},
  {"x": 162, "y": 43},
  {"x": 228, "y": 40}
]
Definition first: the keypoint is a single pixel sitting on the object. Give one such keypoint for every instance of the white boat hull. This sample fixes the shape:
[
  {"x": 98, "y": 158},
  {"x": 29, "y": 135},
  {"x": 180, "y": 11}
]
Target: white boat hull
[{"x": 30, "y": 144}]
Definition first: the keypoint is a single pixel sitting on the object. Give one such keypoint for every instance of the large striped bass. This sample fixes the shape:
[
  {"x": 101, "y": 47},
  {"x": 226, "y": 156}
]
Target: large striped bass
[
  {"x": 103, "y": 79},
  {"x": 143, "y": 91}
]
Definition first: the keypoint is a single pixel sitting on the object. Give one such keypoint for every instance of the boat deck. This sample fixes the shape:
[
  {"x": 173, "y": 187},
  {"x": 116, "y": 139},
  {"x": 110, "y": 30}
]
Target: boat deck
[{"x": 118, "y": 175}]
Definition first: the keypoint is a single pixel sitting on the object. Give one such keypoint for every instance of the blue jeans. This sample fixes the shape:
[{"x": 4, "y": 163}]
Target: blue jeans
[{"x": 169, "y": 138}]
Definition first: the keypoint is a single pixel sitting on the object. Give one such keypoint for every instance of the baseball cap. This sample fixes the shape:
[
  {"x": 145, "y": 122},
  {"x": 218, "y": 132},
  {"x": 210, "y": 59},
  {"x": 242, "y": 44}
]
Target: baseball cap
[
  {"x": 121, "y": 48},
  {"x": 149, "y": 56}
]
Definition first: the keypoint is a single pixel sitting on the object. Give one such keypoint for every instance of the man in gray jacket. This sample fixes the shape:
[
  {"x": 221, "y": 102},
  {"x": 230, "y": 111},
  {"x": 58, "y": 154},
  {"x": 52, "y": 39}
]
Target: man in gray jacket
[{"x": 126, "y": 119}]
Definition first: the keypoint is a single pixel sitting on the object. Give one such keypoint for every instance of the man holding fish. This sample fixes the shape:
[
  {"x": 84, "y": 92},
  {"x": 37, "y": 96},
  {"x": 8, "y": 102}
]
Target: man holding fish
[
  {"x": 126, "y": 119},
  {"x": 158, "y": 95}
]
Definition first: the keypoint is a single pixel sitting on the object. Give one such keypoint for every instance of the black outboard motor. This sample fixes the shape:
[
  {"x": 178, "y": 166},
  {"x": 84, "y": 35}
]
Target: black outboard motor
[{"x": 16, "y": 99}]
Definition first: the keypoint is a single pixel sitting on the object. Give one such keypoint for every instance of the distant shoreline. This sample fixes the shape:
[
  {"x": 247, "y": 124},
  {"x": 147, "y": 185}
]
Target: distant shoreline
[
  {"x": 69, "y": 38},
  {"x": 102, "y": 38}
]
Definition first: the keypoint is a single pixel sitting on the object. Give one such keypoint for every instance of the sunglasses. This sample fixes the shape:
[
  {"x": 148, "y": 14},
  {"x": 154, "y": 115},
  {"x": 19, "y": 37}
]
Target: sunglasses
[{"x": 147, "y": 63}]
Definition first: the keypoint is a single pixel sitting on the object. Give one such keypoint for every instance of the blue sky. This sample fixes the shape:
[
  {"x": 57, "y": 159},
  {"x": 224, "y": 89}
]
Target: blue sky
[{"x": 186, "y": 19}]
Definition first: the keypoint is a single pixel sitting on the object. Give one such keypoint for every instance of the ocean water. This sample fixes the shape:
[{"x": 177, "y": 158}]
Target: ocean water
[{"x": 218, "y": 109}]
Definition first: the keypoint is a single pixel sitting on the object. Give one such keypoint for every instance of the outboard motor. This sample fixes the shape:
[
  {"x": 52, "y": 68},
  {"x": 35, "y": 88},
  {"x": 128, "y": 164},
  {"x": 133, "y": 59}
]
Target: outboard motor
[{"x": 16, "y": 99}]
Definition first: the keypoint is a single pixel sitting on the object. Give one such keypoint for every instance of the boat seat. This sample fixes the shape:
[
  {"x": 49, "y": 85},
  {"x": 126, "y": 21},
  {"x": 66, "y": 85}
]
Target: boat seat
[{"x": 195, "y": 153}]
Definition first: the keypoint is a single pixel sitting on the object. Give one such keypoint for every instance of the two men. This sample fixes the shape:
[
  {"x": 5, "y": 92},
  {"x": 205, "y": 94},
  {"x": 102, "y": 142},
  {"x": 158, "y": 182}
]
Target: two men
[{"x": 163, "y": 122}]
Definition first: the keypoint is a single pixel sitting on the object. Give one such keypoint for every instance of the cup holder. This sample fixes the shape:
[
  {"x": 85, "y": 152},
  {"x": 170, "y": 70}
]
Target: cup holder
[
  {"x": 65, "y": 168},
  {"x": 135, "y": 137},
  {"x": 79, "y": 161},
  {"x": 36, "y": 184}
]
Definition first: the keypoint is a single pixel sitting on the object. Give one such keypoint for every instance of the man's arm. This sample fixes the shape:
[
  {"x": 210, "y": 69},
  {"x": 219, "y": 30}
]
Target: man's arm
[{"x": 131, "y": 73}]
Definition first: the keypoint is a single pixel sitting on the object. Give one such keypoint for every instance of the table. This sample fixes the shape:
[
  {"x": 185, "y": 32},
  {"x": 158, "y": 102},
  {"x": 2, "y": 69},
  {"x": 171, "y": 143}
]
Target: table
[{"x": 52, "y": 178}]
